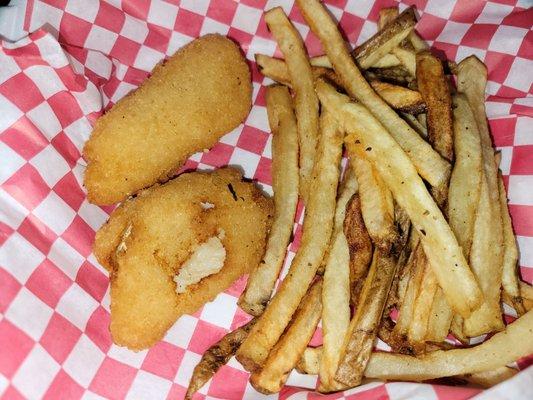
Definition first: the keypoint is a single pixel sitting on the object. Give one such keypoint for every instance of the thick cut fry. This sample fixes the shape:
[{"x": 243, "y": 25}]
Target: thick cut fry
[
  {"x": 309, "y": 363},
  {"x": 362, "y": 332},
  {"x": 387, "y": 15},
  {"x": 503, "y": 348},
  {"x": 510, "y": 277},
  {"x": 408, "y": 58},
  {"x": 285, "y": 185},
  {"x": 359, "y": 245},
  {"x": 440, "y": 318},
  {"x": 429, "y": 164},
  {"x": 306, "y": 102},
  {"x": 417, "y": 42},
  {"x": 440, "y": 245},
  {"x": 526, "y": 292},
  {"x": 336, "y": 290},
  {"x": 376, "y": 204},
  {"x": 487, "y": 379},
  {"x": 416, "y": 125},
  {"x": 287, "y": 352},
  {"x": 215, "y": 357},
  {"x": 317, "y": 229}
]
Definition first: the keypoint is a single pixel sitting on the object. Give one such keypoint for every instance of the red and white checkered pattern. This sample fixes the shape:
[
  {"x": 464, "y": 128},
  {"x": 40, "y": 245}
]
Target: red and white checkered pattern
[{"x": 83, "y": 56}]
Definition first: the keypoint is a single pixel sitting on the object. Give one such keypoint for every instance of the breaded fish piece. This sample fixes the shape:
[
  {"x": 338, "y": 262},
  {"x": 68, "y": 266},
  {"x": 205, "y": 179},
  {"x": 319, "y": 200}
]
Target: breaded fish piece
[
  {"x": 148, "y": 239},
  {"x": 201, "y": 93}
]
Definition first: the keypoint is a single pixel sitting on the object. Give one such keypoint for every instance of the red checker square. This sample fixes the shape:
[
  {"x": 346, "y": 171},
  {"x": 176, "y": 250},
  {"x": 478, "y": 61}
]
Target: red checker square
[
  {"x": 10, "y": 288},
  {"x": 37, "y": 233},
  {"x": 125, "y": 50},
  {"x": 244, "y": 39},
  {"x": 522, "y": 163},
  {"x": 296, "y": 16},
  {"x": 27, "y": 187},
  {"x": 136, "y": 8},
  {"x": 450, "y": 50},
  {"x": 288, "y": 391},
  {"x": 163, "y": 360},
  {"x": 522, "y": 217},
  {"x": 178, "y": 392},
  {"x": 60, "y": 337},
  {"x": 520, "y": 109},
  {"x": 351, "y": 26},
  {"x": 313, "y": 45},
  {"x": 24, "y": 138},
  {"x": 109, "y": 88},
  {"x": 70, "y": 191},
  {"x": 239, "y": 319},
  {"x": 262, "y": 28},
  {"x": 61, "y": 4},
  {"x": 259, "y": 4},
  {"x": 113, "y": 379},
  {"x": 479, "y": 35},
  {"x": 498, "y": 65},
  {"x": 336, "y": 3},
  {"x": 72, "y": 80},
  {"x": 237, "y": 287},
  {"x": 63, "y": 387},
  {"x": 66, "y": 148},
  {"x": 204, "y": 336},
  {"x": 48, "y": 283},
  {"x": 12, "y": 394},
  {"x": 15, "y": 345},
  {"x": 79, "y": 53},
  {"x": 317, "y": 339},
  {"x": 257, "y": 76},
  {"x": 110, "y": 17},
  {"x": 222, "y": 11},
  {"x": 503, "y": 131},
  {"x": 158, "y": 38},
  {"x": 219, "y": 386},
  {"x": 260, "y": 100},
  {"x": 466, "y": 11},
  {"x": 218, "y": 156},
  {"x": 526, "y": 49},
  {"x": 22, "y": 91},
  {"x": 527, "y": 274},
  {"x": 297, "y": 237},
  {"x": 521, "y": 19},
  {"x": 26, "y": 56},
  {"x": 135, "y": 76},
  {"x": 73, "y": 30},
  {"x": 252, "y": 139},
  {"x": 98, "y": 329},
  {"x": 430, "y": 26},
  {"x": 65, "y": 107},
  {"x": 188, "y": 23},
  {"x": 5, "y": 232},
  {"x": 379, "y": 392},
  {"x": 263, "y": 172},
  {"x": 90, "y": 279},
  {"x": 80, "y": 236},
  {"x": 333, "y": 396},
  {"x": 444, "y": 392},
  {"x": 509, "y": 92}
]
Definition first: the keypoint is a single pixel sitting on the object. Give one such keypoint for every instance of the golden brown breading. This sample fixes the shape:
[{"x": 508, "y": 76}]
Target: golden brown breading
[
  {"x": 189, "y": 102},
  {"x": 148, "y": 238}
]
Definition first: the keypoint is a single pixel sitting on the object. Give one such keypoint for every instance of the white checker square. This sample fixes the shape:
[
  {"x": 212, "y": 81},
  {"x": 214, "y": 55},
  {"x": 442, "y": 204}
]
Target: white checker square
[
  {"x": 122, "y": 90},
  {"x": 147, "y": 58},
  {"x": 181, "y": 332},
  {"x": 83, "y": 361},
  {"x": 78, "y": 132},
  {"x": 367, "y": 31},
  {"x": 29, "y": 313},
  {"x": 453, "y": 32},
  {"x": 301, "y": 380},
  {"x": 10, "y": 113},
  {"x": 211, "y": 26},
  {"x": 465, "y": 51},
  {"x": 162, "y": 14},
  {"x": 258, "y": 118},
  {"x": 523, "y": 133},
  {"x": 11, "y": 162},
  {"x": 516, "y": 77},
  {"x": 86, "y": 10},
  {"x": 246, "y": 18},
  {"x": 520, "y": 192},
  {"x": 176, "y": 42},
  {"x": 251, "y": 394},
  {"x": 525, "y": 244},
  {"x": 220, "y": 312},
  {"x": 65, "y": 258},
  {"x": 124, "y": 355},
  {"x": 134, "y": 29},
  {"x": 46, "y": 80},
  {"x": 100, "y": 39},
  {"x": 492, "y": 88},
  {"x": 302, "y": 29},
  {"x": 263, "y": 46},
  {"x": 359, "y": 8},
  {"x": 267, "y": 151},
  {"x": 51, "y": 165},
  {"x": 44, "y": 13},
  {"x": 99, "y": 63},
  {"x": 43, "y": 117},
  {"x": 507, "y": 156},
  {"x": 245, "y": 160},
  {"x": 148, "y": 386},
  {"x": 335, "y": 11},
  {"x": 88, "y": 395},
  {"x": 493, "y": 13},
  {"x": 36, "y": 373},
  {"x": 106, "y": 300},
  {"x": 78, "y": 170},
  {"x": 55, "y": 213},
  {"x": 441, "y": 9},
  {"x": 28, "y": 257},
  {"x": 189, "y": 361},
  {"x": 9, "y": 67},
  {"x": 77, "y": 306},
  {"x": 405, "y": 390},
  {"x": 90, "y": 99},
  {"x": 497, "y": 109},
  {"x": 93, "y": 215},
  {"x": 4, "y": 383},
  {"x": 198, "y": 6},
  {"x": 233, "y": 137},
  {"x": 507, "y": 39},
  {"x": 49, "y": 48}
]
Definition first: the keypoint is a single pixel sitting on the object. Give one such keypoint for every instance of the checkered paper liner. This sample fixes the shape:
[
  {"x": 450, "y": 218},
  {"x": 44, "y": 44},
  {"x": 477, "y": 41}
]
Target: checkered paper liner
[{"x": 80, "y": 57}]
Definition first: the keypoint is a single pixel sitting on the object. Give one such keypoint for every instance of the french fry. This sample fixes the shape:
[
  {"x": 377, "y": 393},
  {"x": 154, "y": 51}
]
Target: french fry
[
  {"x": 503, "y": 348},
  {"x": 317, "y": 229},
  {"x": 428, "y": 163},
  {"x": 215, "y": 357},
  {"x": 416, "y": 125},
  {"x": 336, "y": 290},
  {"x": 408, "y": 59},
  {"x": 440, "y": 245},
  {"x": 287, "y": 352},
  {"x": 309, "y": 363},
  {"x": 417, "y": 42},
  {"x": 387, "y": 15},
  {"x": 486, "y": 257},
  {"x": 285, "y": 185},
  {"x": 306, "y": 102},
  {"x": 440, "y": 318},
  {"x": 526, "y": 292}
]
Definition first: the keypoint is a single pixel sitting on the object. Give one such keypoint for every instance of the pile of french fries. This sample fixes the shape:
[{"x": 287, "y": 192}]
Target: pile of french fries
[{"x": 418, "y": 224}]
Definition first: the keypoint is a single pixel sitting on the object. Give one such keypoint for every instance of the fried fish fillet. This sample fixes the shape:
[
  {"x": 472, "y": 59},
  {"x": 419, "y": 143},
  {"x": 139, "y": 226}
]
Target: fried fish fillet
[
  {"x": 149, "y": 238},
  {"x": 190, "y": 101}
]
